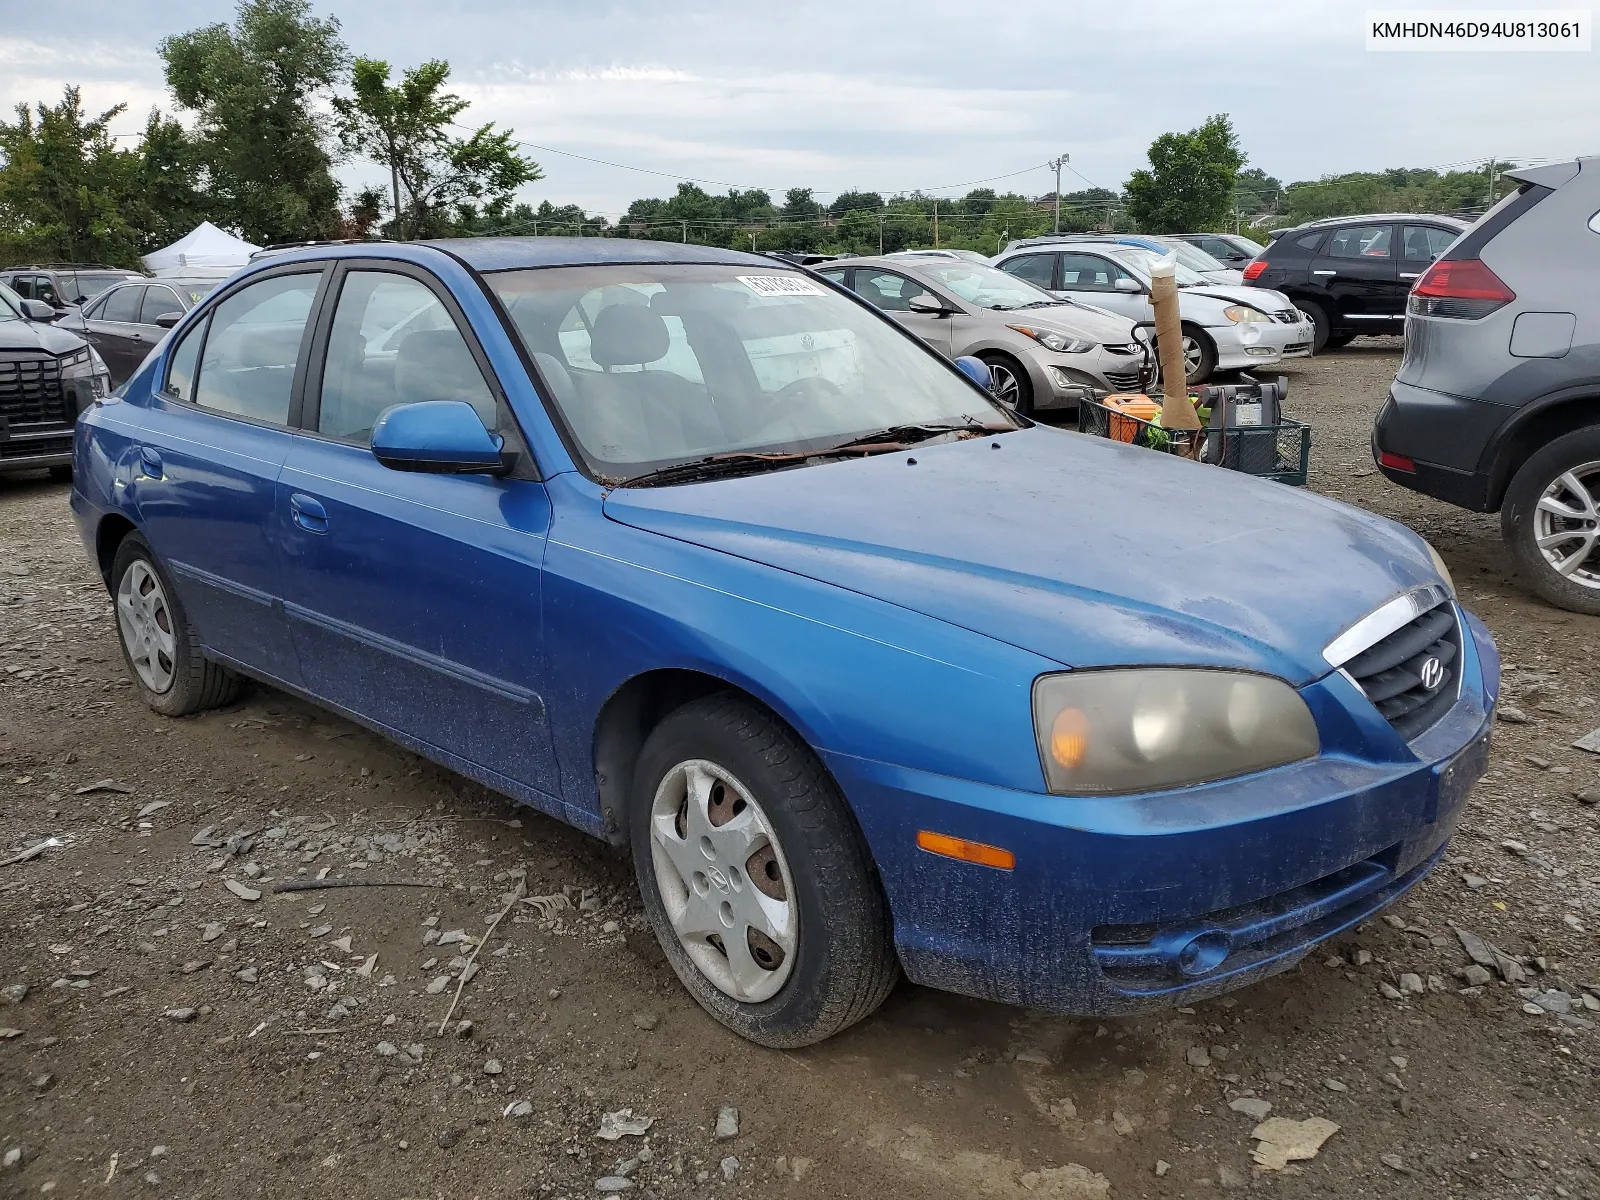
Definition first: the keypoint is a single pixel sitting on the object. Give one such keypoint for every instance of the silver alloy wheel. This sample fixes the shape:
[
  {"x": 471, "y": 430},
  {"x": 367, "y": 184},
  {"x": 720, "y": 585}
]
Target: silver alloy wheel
[
  {"x": 1566, "y": 523},
  {"x": 145, "y": 622},
  {"x": 724, "y": 881},
  {"x": 1192, "y": 356},
  {"x": 1003, "y": 384}
]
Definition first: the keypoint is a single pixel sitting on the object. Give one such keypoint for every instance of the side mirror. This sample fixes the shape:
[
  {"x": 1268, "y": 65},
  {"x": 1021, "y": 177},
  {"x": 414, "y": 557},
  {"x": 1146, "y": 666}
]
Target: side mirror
[
  {"x": 38, "y": 310},
  {"x": 976, "y": 370},
  {"x": 168, "y": 320},
  {"x": 1124, "y": 284},
  {"x": 928, "y": 305},
  {"x": 440, "y": 437}
]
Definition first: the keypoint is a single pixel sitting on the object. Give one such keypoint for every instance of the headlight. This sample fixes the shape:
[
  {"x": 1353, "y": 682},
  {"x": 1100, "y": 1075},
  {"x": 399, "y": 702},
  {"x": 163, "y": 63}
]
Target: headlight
[
  {"x": 1243, "y": 314},
  {"x": 1438, "y": 565},
  {"x": 1143, "y": 730},
  {"x": 86, "y": 364},
  {"x": 1061, "y": 343}
]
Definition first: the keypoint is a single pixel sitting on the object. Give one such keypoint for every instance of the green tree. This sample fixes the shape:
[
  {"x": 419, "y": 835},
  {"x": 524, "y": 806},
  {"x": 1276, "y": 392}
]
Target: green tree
[
  {"x": 435, "y": 177},
  {"x": 1190, "y": 182},
  {"x": 65, "y": 187},
  {"x": 1254, "y": 191},
  {"x": 253, "y": 88}
]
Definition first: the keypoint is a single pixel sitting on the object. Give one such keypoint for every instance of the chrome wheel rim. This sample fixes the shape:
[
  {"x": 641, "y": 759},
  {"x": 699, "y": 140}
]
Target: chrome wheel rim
[
  {"x": 145, "y": 622},
  {"x": 724, "y": 881},
  {"x": 1003, "y": 384},
  {"x": 1566, "y": 523},
  {"x": 1192, "y": 356}
]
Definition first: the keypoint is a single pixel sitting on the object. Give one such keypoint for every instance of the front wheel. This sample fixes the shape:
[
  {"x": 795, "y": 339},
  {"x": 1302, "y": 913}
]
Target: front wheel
[
  {"x": 1199, "y": 356},
  {"x": 755, "y": 876},
  {"x": 1551, "y": 521},
  {"x": 158, "y": 643},
  {"x": 1321, "y": 327},
  {"x": 1009, "y": 383}
]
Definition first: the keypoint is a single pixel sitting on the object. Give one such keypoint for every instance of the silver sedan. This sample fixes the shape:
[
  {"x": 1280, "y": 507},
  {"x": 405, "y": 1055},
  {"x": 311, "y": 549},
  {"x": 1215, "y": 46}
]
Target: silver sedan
[{"x": 1044, "y": 353}]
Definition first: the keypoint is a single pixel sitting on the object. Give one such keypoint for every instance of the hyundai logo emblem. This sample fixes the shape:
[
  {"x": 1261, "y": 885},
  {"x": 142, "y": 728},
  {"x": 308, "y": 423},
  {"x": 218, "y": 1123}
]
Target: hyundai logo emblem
[{"x": 1432, "y": 674}]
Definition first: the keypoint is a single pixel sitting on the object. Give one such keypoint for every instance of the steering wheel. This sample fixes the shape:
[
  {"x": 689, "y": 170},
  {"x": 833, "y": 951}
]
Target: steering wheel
[{"x": 815, "y": 385}]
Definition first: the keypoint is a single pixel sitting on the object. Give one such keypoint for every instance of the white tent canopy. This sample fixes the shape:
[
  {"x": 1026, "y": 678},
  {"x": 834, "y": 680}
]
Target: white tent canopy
[{"x": 204, "y": 250}]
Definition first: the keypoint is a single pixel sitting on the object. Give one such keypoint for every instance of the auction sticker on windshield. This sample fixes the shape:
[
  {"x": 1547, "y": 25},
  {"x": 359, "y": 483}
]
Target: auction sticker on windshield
[{"x": 780, "y": 285}]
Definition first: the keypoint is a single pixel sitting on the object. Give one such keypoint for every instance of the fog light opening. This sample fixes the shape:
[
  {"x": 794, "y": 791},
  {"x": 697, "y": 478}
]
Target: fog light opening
[{"x": 1204, "y": 953}]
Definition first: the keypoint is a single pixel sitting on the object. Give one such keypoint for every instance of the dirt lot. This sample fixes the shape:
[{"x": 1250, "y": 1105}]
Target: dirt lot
[{"x": 176, "y": 1039}]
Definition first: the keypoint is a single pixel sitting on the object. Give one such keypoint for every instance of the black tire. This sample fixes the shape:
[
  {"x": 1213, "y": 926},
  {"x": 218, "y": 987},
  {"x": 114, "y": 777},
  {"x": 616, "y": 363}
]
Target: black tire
[
  {"x": 196, "y": 683},
  {"x": 1520, "y": 521},
  {"x": 1321, "y": 327},
  {"x": 1207, "y": 364},
  {"x": 1338, "y": 341},
  {"x": 1003, "y": 366},
  {"x": 62, "y": 474},
  {"x": 844, "y": 962}
]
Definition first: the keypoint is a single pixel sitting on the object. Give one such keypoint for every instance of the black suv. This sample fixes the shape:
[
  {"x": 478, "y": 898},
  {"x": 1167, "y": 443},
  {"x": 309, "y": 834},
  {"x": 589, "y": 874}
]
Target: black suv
[
  {"x": 64, "y": 286},
  {"x": 1351, "y": 275},
  {"x": 47, "y": 377}
]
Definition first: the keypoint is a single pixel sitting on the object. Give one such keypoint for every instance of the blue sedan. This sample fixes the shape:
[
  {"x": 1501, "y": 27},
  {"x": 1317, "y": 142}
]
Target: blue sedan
[{"x": 704, "y": 556}]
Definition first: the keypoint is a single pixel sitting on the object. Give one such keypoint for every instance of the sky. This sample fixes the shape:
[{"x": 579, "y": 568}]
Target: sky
[{"x": 841, "y": 95}]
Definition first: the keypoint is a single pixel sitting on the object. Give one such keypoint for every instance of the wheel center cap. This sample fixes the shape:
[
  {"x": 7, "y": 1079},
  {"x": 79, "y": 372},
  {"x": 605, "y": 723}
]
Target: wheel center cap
[{"x": 718, "y": 880}]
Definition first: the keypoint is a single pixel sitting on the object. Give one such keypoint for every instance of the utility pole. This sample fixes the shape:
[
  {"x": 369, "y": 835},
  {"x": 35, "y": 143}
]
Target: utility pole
[
  {"x": 752, "y": 241},
  {"x": 685, "y": 231},
  {"x": 1056, "y": 164},
  {"x": 1489, "y": 167},
  {"x": 880, "y": 231},
  {"x": 936, "y": 222},
  {"x": 394, "y": 182}
]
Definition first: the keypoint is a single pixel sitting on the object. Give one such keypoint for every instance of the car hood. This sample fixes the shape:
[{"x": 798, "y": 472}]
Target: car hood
[
  {"x": 1087, "y": 552},
  {"x": 1095, "y": 324},
  {"x": 1255, "y": 297},
  {"x": 34, "y": 335}
]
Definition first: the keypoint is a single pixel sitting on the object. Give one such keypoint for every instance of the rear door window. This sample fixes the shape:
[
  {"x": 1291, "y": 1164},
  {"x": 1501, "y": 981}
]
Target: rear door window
[
  {"x": 890, "y": 292},
  {"x": 158, "y": 301},
  {"x": 121, "y": 304},
  {"x": 247, "y": 366},
  {"x": 1038, "y": 269},
  {"x": 1088, "y": 273},
  {"x": 1361, "y": 241}
]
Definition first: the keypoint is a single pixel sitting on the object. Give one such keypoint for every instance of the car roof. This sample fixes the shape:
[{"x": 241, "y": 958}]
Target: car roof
[
  {"x": 1360, "y": 218},
  {"x": 511, "y": 253}
]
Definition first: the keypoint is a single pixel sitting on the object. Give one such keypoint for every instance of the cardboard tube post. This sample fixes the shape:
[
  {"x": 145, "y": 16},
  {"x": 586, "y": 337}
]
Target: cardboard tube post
[{"x": 1176, "y": 411}]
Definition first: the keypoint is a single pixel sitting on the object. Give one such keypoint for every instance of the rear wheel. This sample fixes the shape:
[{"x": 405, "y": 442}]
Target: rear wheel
[
  {"x": 1338, "y": 340},
  {"x": 755, "y": 876},
  {"x": 1551, "y": 521},
  {"x": 62, "y": 474},
  {"x": 1011, "y": 385},
  {"x": 1322, "y": 329},
  {"x": 158, "y": 643}
]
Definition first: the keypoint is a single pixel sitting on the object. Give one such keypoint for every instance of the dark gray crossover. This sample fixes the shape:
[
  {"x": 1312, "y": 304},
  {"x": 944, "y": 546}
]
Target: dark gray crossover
[{"x": 1497, "y": 403}]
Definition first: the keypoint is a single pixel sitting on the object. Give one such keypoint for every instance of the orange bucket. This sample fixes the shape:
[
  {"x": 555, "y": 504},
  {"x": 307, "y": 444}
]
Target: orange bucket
[{"x": 1132, "y": 404}]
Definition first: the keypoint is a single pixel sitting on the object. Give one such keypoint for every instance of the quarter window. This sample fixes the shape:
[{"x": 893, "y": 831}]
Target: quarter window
[
  {"x": 247, "y": 365},
  {"x": 1038, "y": 269},
  {"x": 1424, "y": 243},
  {"x": 393, "y": 342},
  {"x": 1361, "y": 241},
  {"x": 181, "y": 365}
]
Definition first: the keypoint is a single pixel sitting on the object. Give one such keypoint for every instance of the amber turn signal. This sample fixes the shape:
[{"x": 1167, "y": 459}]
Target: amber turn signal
[
  {"x": 1069, "y": 737},
  {"x": 959, "y": 848}
]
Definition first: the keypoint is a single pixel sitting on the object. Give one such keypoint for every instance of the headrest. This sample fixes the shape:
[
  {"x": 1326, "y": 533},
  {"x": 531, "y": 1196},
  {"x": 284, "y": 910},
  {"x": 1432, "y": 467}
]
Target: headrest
[
  {"x": 628, "y": 335},
  {"x": 435, "y": 364}
]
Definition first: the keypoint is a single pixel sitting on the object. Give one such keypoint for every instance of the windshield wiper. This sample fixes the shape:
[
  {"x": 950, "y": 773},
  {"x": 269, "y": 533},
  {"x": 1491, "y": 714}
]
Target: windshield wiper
[{"x": 896, "y": 437}]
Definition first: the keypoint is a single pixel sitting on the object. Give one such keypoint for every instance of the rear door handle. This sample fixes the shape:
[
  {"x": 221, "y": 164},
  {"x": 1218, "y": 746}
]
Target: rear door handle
[
  {"x": 1409, "y": 274},
  {"x": 1324, "y": 272},
  {"x": 150, "y": 461},
  {"x": 308, "y": 513}
]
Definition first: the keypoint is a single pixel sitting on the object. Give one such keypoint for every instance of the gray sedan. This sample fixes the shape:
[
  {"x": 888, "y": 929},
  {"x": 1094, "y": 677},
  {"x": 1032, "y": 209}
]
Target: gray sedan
[{"x": 1044, "y": 354}]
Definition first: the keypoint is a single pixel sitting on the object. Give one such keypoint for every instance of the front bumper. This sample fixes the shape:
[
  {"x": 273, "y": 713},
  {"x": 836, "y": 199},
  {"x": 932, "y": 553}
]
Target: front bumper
[
  {"x": 26, "y": 448},
  {"x": 1245, "y": 347},
  {"x": 1059, "y": 379},
  {"x": 1122, "y": 905}
]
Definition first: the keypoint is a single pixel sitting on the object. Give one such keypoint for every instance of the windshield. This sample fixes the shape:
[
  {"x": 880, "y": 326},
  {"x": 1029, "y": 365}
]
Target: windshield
[
  {"x": 986, "y": 286},
  {"x": 652, "y": 365},
  {"x": 90, "y": 284},
  {"x": 11, "y": 308},
  {"x": 1138, "y": 261}
]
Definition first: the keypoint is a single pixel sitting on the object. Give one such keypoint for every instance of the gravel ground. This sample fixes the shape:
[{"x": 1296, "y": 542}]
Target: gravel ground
[{"x": 186, "y": 1030}]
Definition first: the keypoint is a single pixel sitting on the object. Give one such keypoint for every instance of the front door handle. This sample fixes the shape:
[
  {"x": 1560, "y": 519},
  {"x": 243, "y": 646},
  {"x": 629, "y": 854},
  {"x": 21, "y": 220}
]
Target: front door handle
[
  {"x": 308, "y": 513},
  {"x": 150, "y": 461},
  {"x": 1409, "y": 274},
  {"x": 1324, "y": 272}
]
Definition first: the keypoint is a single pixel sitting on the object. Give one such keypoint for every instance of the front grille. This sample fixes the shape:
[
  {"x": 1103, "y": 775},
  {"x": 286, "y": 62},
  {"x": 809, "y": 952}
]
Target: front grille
[
  {"x": 1288, "y": 316},
  {"x": 30, "y": 388},
  {"x": 1410, "y": 675}
]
